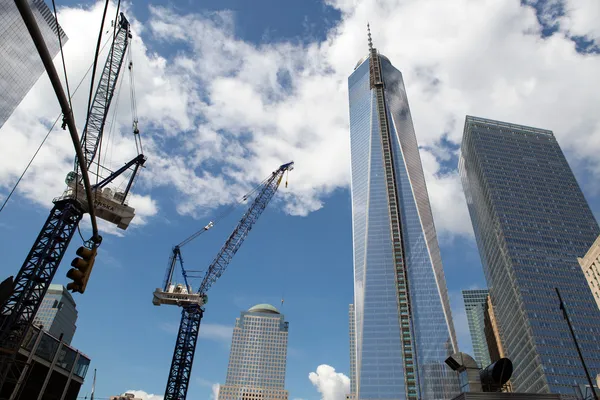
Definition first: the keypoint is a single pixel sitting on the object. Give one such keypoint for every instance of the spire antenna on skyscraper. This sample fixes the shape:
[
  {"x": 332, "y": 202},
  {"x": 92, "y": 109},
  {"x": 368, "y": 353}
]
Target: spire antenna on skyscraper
[{"x": 369, "y": 36}]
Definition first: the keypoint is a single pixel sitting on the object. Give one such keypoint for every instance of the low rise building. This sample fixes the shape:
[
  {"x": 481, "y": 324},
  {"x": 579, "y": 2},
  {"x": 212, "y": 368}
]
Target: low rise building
[{"x": 46, "y": 368}]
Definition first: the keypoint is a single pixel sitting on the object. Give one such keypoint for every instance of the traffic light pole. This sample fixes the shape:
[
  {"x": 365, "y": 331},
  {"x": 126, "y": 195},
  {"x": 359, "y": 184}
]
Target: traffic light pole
[{"x": 587, "y": 373}]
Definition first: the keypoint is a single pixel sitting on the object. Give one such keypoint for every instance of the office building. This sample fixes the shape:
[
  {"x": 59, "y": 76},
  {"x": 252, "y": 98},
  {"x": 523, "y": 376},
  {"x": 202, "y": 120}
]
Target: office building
[
  {"x": 403, "y": 324},
  {"x": 590, "y": 264},
  {"x": 475, "y": 304},
  {"x": 492, "y": 332},
  {"x": 531, "y": 222},
  {"x": 48, "y": 368},
  {"x": 351, "y": 328},
  {"x": 21, "y": 65},
  {"x": 258, "y": 356},
  {"x": 57, "y": 313}
]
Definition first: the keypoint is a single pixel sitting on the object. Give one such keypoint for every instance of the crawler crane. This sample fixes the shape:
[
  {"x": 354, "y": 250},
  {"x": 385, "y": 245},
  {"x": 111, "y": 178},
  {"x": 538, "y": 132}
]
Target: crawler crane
[
  {"x": 192, "y": 303},
  {"x": 34, "y": 277}
]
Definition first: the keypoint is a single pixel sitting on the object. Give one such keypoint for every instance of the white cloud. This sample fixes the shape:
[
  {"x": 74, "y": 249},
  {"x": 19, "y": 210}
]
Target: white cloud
[
  {"x": 214, "y": 387},
  {"x": 140, "y": 394},
  {"x": 581, "y": 18},
  {"x": 211, "y": 331},
  {"x": 330, "y": 384},
  {"x": 224, "y": 113},
  {"x": 215, "y": 391}
]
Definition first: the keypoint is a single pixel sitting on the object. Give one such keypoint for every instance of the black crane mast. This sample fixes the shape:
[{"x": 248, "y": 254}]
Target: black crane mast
[{"x": 36, "y": 273}]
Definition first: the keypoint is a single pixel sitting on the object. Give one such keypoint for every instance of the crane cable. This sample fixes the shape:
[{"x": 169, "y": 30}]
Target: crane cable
[
  {"x": 224, "y": 213},
  {"x": 45, "y": 137},
  {"x": 134, "y": 114}
]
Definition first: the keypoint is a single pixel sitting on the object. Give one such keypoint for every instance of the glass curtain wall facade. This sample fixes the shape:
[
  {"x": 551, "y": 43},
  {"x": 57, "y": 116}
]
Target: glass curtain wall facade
[
  {"x": 21, "y": 65},
  {"x": 475, "y": 305},
  {"x": 403, "y": 325},
  {"x": 258, "y": 356},
  {"x": 531, "y": 222},
  {"x": 58, "y": 313}
]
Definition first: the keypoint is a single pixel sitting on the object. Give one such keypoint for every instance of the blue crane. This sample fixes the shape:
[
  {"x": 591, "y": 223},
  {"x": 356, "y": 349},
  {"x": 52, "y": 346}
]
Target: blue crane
[
  {"x": 31, "y": 283},
  {"x": 192, "y": 303}
]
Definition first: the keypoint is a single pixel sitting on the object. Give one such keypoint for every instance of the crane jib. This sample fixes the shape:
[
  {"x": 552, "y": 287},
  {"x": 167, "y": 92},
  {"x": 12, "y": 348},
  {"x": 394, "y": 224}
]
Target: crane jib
[{"x": 96, "y": 118}]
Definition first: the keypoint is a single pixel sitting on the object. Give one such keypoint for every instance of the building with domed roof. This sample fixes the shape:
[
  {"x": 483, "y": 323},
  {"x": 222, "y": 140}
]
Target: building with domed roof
[{"x": 258, "y": 356}]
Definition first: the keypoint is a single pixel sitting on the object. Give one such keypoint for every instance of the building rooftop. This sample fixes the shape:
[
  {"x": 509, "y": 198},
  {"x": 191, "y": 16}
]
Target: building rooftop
[{"x": 265, "y": 308}]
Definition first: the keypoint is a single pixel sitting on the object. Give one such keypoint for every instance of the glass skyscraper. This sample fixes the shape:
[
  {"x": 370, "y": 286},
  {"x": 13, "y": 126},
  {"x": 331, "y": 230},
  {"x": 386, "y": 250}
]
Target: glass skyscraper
[
  {"x": 404, "y": 328},
  {"x": 57, "y": 313},
  {"x": 475, "y": 303},
  {"x": 21, "y": 65},
  {"x": 531, "y": 222},
  {"x": 258, "y": 356}
]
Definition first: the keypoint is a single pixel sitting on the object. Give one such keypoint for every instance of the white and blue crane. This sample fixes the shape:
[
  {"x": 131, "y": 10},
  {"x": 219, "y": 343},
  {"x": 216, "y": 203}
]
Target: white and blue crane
[{"x": 192, "y": 303}]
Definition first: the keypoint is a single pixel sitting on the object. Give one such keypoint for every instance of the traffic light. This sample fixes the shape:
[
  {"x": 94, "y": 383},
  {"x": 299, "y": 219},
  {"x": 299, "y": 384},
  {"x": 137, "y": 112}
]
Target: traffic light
[{"x": 83, "y": 269}]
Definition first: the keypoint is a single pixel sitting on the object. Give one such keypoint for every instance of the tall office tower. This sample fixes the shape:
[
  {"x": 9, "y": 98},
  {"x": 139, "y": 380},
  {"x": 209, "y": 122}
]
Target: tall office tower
[
  {"x": 352, "y": 331},
  {"x": 475, "y": 303},
  {"x": 404, "y": 329},
  {"x": 590, "y": 264},
  {"x": 531, "y": 222},
  {"x": 258, "y": 356},
  {"x": 21, "y": 65},
  {"x": 58, "y": 313}
]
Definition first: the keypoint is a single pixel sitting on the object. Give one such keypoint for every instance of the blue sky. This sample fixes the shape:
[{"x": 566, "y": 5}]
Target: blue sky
[{"x": 229, "y": 90}]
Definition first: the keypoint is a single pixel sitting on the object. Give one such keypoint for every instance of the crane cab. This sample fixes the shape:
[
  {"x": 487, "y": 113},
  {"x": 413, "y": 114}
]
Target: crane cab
[
  {"x": 108, "y": 204},
  {"x": 178, "y": 295}
]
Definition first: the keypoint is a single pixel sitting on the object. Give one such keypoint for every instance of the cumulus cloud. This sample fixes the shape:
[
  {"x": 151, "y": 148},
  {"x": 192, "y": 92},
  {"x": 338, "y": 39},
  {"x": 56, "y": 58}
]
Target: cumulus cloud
[
  {"x": 330, "y": 384},
  {"x": 140, "y": 394},
  {"x": 211, "y": 331},
  {"x": 222, "y": 113}
]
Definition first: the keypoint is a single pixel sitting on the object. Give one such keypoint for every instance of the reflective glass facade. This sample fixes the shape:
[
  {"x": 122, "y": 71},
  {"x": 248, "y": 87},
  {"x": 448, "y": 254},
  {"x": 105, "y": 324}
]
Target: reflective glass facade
[
  {"x": 397, "y": 263},
  {"x": 21, "y": 65},
  {"x": 531, "y": 222},
  {"x": 57, "y": 313},
  {"x": 475, "y": 303},
  {"x": 258, "y": 356}
]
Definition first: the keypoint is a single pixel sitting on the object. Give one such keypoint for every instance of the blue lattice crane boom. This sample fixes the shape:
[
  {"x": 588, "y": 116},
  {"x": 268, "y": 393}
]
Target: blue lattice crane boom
[
  {"x": 192, "y": 303},
  {"x": 34, "y": 277}
]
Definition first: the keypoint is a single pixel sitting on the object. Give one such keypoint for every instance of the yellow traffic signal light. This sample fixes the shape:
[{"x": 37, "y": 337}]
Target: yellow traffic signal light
[{"x": 83, "y": 269}]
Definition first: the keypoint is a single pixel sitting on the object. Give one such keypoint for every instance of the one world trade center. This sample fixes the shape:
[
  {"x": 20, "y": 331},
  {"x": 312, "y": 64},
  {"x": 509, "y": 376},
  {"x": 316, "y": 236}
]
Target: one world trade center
[{"x": 402, "y": 322}]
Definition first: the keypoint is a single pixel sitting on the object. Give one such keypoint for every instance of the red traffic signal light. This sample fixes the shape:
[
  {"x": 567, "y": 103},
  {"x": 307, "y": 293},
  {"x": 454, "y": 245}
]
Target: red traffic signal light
[{"x": 83, "y": 269}]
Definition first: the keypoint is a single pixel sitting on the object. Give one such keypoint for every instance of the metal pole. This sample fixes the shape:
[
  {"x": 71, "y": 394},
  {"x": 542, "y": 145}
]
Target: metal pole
[
  {"x": 32, "y": 352},
  {"x": 50, "y": 370},
  {"x": 38, "y": 40},
  {"x": 68, "y": 384},
  {"x": 566, "y": 316},
  {"x": 93, "y": 385}
]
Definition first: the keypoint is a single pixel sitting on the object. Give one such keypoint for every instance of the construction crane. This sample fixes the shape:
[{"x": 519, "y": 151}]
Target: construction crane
[
  {"x": 34, "y": 277},
  {"x": 192, "y": 303}
]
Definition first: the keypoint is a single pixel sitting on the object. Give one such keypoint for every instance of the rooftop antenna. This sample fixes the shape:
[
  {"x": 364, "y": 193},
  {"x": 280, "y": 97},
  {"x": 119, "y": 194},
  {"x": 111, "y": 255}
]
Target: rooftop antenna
[{"x": 369, "y": 36}]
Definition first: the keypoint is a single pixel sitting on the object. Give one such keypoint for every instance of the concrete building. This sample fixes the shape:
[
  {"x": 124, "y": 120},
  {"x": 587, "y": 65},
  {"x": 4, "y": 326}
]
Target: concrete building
[
  {"x": 403, "y": 322},
  {"x": 46, "y": 368},
  {"x": 531, "y": 222},
  {"x": 492, "y": 333},
  {"x": 352, "y": 335},
  {"x": 590, "y": 264},
  {"x": 258, "y": 357},
  {"x": 126, "y": 396},
  {"x": 21, "y": 65},
  {"x": 475, "y": 301},
  {"x": 58, "y": 313}
]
